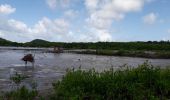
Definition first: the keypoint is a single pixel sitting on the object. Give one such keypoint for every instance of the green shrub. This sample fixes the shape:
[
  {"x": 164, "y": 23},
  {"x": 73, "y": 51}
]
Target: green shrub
[
  {"x": 17, "y": 78},
  {"x": 143, "y": 83},
  {"x": 21, "y": 94}
]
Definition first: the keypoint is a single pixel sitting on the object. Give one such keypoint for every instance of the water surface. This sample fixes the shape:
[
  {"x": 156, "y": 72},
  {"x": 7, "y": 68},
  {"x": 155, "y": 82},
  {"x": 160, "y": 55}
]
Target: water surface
[{"x": 50, "y": 66}]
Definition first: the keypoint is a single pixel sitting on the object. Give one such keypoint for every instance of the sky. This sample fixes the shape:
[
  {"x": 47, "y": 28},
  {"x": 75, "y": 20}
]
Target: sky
[{"x": 85, "y": 20}]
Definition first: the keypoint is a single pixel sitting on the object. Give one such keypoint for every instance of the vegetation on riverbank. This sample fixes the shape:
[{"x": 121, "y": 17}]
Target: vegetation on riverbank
[
  {"x": 127, "y": 53},
  {"x": 146, "y": 82},
  {"x": 20, "y": 94},
  {"x": 149, "y": 49},
  {"x": 143, "y": 83},
  {"x": 131, "y": 46}
]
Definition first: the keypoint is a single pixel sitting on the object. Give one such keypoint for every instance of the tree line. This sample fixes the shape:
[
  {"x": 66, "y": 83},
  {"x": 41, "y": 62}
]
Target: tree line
[{"x": 139, "y": 45}]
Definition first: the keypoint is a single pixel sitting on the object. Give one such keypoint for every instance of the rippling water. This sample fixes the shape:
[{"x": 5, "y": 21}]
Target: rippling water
[{"x": 51, "y": 66}]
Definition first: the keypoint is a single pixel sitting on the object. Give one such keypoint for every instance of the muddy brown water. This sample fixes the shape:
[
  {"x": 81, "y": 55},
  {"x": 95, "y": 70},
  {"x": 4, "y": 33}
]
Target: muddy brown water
[{"x": 50, "y": 67}]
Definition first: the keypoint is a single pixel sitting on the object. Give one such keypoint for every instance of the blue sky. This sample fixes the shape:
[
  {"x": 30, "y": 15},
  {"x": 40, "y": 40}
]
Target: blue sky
[{"x": 85, "y": 20}]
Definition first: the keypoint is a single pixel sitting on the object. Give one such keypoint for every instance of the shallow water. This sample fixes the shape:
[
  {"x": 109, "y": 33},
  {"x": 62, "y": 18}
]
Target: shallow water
[{"x": 50, "y": 66}]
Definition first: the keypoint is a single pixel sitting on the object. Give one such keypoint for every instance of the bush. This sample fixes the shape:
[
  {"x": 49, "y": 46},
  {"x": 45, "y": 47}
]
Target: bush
[
  {"x": 143, "y": 83},
  {"x": 21, "y": 94}
]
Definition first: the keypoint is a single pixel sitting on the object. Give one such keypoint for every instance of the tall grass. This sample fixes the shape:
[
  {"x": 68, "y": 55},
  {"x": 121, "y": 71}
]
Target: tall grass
[
  {"x": 146, "y": 82},
  {"x": 143, "y": 83},
  {"x": 21, "y": 94}
]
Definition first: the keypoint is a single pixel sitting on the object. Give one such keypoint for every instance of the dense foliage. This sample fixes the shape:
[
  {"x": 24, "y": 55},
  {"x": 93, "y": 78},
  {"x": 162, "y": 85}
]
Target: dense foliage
[
  {"x": 120, "y": 45},
  {"x": 4, "y": 42},
  {"x": 150, "y": 45},
  {"x": 143, "y": 83}
]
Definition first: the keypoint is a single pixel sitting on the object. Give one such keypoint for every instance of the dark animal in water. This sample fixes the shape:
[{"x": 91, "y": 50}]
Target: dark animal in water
[{"x": 29, "y": 58}]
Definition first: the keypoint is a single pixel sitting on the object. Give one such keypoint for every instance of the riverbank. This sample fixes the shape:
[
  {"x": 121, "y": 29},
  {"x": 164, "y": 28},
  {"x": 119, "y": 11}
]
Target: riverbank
[
  {"x": 154, "y": 54},
  {"x": 127, "y": 53},
  {"x": 146, "y": 82}
]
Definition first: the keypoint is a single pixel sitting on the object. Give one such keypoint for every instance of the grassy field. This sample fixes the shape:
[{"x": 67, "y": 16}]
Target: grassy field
[{"x": 146, "y": 82}]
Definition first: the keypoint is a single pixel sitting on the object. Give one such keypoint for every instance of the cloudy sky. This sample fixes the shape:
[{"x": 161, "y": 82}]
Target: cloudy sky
[{"x": 85, "y": 20}]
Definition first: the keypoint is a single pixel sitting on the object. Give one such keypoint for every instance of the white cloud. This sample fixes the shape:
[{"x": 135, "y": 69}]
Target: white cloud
[
  {"x": 70, "y": 13},
  {"x": 59, "y": 26},
  {"x": 103, "y": 35},
  {"x": 6, "y": 9},
  {"x": 53, "y": 4},
  {"x": 91, "y": 5},
  {"x": 45, "y": 29},
  {"x": 102, "y": 13},
  {"x": 17, "y": 26},
  {"x": 150, "y": 18}
]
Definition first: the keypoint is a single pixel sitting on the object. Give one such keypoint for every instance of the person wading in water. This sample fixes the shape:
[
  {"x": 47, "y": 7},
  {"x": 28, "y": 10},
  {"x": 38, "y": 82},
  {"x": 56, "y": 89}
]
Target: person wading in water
[{"x": 28, "y": 58}]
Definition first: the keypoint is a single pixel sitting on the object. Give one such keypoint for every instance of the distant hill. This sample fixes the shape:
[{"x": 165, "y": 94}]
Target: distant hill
[
  {"x": 38, "y": 43},
  {"x": 4, "y": 42},
  {"x": 33, "y": 43}
]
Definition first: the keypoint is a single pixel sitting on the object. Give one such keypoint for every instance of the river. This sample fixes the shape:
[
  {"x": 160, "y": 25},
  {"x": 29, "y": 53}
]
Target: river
[{"x": 51, "y": 66}]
